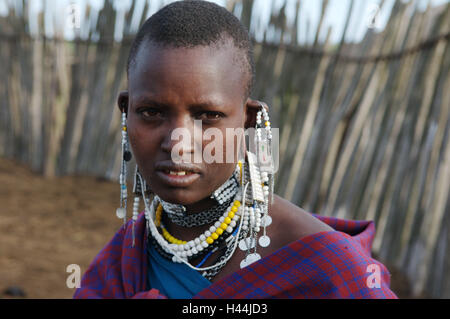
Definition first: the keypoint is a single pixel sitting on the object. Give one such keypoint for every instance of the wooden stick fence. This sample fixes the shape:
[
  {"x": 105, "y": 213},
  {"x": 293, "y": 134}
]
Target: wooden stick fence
[{"x": 364, "y": 128}]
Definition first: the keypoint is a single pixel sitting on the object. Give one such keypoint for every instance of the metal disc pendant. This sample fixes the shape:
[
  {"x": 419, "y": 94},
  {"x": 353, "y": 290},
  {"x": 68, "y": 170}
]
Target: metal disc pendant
[
  {"x": 247, "y": 243},
  {"x": 121, "y": 212},
  {"x": 252, "y": 258},
  {"x": 264, "y": 241},
  {"x": 266, "y": 220},
  {"x": 244, "y": 263}
]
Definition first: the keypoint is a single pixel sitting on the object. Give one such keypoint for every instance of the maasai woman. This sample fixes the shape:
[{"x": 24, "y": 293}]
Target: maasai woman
[{"x": 214, "y": 229}]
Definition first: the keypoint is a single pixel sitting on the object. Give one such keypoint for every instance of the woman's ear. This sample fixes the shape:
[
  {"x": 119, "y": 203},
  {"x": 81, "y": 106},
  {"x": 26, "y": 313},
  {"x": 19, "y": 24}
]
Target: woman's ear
[
  {"x": 251, "y": 108},
  {"x": 122, "y": 101}
]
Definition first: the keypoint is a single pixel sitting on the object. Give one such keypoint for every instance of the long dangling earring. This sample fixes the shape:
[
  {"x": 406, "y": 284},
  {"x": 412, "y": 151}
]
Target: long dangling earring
[
  {"x": 121, "y": 212},
  {"x": 266, "y": 166},
  {"x": 259, "y": 171},
  {"x": 137, "y": 190},
  {"x": 140, "y": 186}
]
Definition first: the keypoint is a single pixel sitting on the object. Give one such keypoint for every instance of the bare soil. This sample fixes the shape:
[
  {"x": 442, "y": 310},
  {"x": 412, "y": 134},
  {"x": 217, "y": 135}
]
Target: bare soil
[{"x": 47, "y": 224}]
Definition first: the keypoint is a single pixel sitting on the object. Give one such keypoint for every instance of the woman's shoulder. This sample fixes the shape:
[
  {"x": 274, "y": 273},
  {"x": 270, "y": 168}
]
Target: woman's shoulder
[{"x": 291, "y": 223}]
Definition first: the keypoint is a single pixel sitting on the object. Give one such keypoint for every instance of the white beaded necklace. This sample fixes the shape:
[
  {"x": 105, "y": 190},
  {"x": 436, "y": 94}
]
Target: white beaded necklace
[
  {"x": 180, "y": 255},
  {"x": 197, "y": 245}
]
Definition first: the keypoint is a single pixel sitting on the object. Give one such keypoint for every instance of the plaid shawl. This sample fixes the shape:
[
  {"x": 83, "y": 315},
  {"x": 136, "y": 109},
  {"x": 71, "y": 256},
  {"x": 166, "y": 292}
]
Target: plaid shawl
[{"x": 331, "y": 264}]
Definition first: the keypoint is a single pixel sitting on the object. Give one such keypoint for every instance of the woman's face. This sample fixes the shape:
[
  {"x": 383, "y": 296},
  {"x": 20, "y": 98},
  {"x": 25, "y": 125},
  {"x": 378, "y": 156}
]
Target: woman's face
[{"x": 169, "y": 89}]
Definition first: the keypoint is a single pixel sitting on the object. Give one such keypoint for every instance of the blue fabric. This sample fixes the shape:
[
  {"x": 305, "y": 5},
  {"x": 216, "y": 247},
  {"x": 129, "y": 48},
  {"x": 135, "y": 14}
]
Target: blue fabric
[{"x": 174, "y": 280}]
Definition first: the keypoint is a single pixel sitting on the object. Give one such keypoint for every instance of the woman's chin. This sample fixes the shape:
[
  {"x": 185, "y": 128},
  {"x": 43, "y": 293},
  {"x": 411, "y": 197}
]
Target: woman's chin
[{"x": 178, "y": 196}]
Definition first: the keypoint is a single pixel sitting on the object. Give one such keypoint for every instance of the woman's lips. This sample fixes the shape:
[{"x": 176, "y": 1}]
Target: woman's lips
[
  {"x": 177, "y": 178},
  {"x": 177, "y": 174}
]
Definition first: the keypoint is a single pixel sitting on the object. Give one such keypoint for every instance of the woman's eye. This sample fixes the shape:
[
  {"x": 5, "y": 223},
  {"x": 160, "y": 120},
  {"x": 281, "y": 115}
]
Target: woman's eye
[
  {"x": 210, "y": 116},
  {"x": 149, "y": 113}
]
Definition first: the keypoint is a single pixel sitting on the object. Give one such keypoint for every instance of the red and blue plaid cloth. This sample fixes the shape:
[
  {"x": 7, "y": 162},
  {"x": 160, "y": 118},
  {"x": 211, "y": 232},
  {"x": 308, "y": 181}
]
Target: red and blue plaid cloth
[{"x": 332, "y": 264}]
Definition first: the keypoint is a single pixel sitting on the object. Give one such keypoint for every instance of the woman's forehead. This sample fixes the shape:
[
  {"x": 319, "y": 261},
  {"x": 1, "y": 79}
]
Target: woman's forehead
[{"x": 200, "y": 70}]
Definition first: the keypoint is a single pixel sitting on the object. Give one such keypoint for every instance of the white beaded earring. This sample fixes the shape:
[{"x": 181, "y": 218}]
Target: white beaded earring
[
  {"x": 259, "y": 171},
  {"x": 139, "y": 186},
  {"x": 265, "y": 164},
  {"x": 121, "y": 212},
  {"x": 137, "y": 193}
]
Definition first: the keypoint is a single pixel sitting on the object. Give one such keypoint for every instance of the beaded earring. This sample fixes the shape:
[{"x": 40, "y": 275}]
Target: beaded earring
[
  {"x": 259, "y": 173},
  {"x": 139, "y": 186},
  {"x": 121, "y": 212},
  {"x": 266, "y": 166},
  {"x": 137, "y": 195}
]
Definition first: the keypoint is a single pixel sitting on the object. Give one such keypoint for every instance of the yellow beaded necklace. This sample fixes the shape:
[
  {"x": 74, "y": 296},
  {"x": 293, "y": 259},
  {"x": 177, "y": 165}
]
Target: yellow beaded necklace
[{"x": 210, "y": 239}]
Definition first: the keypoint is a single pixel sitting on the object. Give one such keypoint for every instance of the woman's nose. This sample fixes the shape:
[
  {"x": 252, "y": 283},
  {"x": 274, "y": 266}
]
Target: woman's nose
[{"x": 182, "y": 138}]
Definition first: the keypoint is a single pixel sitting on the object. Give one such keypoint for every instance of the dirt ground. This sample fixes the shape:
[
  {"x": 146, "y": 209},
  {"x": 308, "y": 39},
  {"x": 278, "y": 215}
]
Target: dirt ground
[{"x": 47, "y": 224}]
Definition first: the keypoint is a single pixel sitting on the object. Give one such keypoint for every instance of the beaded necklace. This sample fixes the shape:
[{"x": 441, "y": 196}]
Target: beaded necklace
[
  {"x": 215, "y": 233},
  {"x": 220, "y": 236},
  {"x": 180, "y": 252},
  {"x": 239, "y": 225},
  {"x": 192, "y": 249}
]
